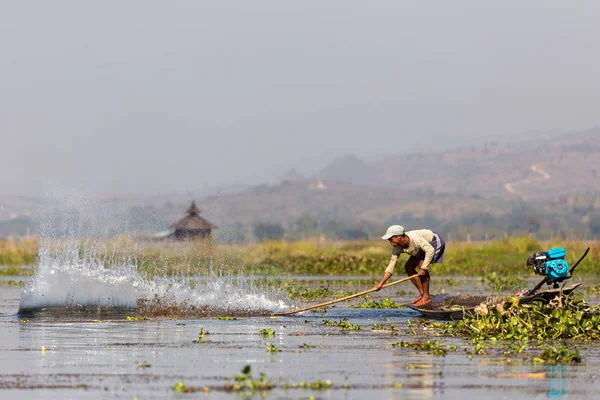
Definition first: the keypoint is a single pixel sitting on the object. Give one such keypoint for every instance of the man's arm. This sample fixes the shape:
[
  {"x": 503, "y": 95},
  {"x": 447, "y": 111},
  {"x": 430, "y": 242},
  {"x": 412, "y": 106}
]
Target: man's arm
[{"x": 388, "y": 272}]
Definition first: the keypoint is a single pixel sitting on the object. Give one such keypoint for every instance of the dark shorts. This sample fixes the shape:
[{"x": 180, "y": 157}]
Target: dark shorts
[{"x": 439, "y": 246}]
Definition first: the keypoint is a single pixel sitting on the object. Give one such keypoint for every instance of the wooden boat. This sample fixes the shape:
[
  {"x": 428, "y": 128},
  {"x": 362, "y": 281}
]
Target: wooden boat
[{"x": 448, "y": 307}]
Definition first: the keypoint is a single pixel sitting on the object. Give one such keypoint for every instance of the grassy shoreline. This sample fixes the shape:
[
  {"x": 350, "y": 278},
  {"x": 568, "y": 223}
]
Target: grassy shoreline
[{"x": 310, "y": 257}]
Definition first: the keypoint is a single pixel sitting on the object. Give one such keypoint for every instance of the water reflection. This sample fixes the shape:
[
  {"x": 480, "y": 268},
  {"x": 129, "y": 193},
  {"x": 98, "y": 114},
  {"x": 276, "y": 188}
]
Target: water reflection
[
  {"x": 557, "y": 381},
  {"x": 105, "y": 356}
]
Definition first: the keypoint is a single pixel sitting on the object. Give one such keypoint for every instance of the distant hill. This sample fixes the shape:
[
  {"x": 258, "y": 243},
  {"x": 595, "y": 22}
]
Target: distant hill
[
  {"x": 550, "y": 186},
  {"x": 529, "y": 170}
]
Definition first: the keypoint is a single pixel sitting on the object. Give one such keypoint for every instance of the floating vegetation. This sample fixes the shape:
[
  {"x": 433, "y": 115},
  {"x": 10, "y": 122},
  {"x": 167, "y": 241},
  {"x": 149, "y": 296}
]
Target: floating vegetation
[
  {"x": 12, "y": 282},
  {"x": 272, "y": 349},
  {"x": 411, "y": 328},
  {"x": 559, "y": 355},
  {"x": 225, "y": 318},
  {"x": 143, "y": 364},
  {"x": 180, "y": 387},
  {"x": 247, "y": 385},
  {"x": 380, "y": 327},
  {"x": 320, "y": 310},
  {"x": 384, "y": 303},
  {"x": 431, "y": 346},
  {"x": 451, "y": 282},
  {"x": 502, "y": 283},
  {"x": 593, "y": 290},
  {"x": 480, "y": 348},
  {"x": 245, "y": 382},
  {"x": 135, "y": 318},
  {"x": 562, "y": 318},
  {"x": 201, "y": 336},
  {"x": 267, "y": 332},
  {"x": 307, "y": 294},
  {"x": 343, "y": 324},
  {"x": 311, "y": 346},
  {"x": 318, "y": 385},
  {"x": 515, "y": 348}
]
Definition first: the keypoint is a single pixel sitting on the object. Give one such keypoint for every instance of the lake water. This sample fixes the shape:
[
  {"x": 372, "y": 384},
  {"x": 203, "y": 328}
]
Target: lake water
[{"x": 120, "y": 359}]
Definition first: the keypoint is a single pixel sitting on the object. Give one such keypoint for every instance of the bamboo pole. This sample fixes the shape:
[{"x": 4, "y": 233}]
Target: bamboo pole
[{"x": 345, "y": 298}]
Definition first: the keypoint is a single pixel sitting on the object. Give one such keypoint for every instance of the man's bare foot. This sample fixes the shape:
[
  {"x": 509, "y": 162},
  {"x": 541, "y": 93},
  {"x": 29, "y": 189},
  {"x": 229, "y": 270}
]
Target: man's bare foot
[
  {"x": 423, "y": 302},
  {"x": 417, "y": 299}
]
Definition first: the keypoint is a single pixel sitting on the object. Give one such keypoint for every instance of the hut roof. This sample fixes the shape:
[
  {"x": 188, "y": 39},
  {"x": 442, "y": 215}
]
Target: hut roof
[
  {"x": 193, "y": 221},
  {"x": 193, "y": 210}
]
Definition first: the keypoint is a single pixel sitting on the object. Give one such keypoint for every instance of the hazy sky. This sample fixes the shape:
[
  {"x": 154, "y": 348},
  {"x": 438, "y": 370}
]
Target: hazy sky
[{"x": 148, "y": 96}]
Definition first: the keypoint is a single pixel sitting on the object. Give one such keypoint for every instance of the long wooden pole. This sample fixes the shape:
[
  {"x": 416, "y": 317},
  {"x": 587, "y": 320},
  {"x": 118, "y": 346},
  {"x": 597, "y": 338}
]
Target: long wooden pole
[{"x": 345, "y": 298}]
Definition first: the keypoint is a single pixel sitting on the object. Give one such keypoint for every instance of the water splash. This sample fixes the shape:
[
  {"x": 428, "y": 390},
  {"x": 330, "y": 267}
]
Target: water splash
[
  {"x": 216, "y": 295},
  {"x": 71, "y": 282},
  {"x": 68, "y": 280},
  {"x": 76, "y": 275}
]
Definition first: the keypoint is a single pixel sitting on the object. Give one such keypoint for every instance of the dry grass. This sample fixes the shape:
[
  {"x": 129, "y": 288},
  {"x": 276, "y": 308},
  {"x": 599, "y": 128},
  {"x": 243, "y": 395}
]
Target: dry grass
[
  {"x": 311, "y": 257},
  {"x": 15, "y": 252}
]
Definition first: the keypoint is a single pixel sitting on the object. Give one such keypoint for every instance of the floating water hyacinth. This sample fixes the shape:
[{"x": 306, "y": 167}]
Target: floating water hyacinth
[{"x": 562, "y": 318}]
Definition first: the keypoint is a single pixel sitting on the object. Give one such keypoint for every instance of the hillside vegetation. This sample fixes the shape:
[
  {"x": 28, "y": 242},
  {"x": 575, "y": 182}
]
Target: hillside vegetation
[{"x": 545, "y": 189}]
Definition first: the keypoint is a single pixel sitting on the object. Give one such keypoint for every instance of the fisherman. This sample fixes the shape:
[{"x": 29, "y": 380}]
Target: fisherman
[{"x": 425, "y": 247}]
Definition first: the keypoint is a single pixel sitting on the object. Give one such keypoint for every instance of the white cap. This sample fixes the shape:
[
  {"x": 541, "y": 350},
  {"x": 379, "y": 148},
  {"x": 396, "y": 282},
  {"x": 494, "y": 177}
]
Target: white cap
[{"x": 394, "y": 230}]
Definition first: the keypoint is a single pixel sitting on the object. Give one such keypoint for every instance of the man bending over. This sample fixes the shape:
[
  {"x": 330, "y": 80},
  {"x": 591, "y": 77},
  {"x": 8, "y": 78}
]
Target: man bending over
[{"x": 425, "y": 247}]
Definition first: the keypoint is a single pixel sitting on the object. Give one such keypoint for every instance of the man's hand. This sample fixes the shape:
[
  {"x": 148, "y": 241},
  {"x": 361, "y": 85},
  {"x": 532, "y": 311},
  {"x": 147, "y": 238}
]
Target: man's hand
[
  {"x": 422, "y": 272},
  {"x": 386, "y": 276}
]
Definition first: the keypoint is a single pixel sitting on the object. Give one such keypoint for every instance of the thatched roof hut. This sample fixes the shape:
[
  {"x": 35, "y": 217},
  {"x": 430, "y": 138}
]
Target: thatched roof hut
[{"x": 192, "y": 225}]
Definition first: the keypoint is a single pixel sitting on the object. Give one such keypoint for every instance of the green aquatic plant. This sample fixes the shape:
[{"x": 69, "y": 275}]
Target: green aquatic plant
[
  {"x": 272, "y": 349},
  {"x": 411, "y": 328},
  {"x": 245, "y": 382},
  {"x": 563, "y": 354},
  {"x": 12, "y": 282},
  {"x": 309, "y": 346},
  {"x": 502, "y": 283},
  {"x": 321, "y": 311},
  {"x": 343, "y": 324},
  {"x": 515, "y": 348},
  {"x": 180, "y": 387},
  {"x": 479, "y": 348},
  {"x": 564, "y": 318},
  {"x": 431, "y": 346},
  {"x": 384, "y": 303},
  {"x": 381, "y": 327},
  {"x": 225, "y": 318},
  {"x": 135, "y": 318},
  {"x": 201, "y": 336},
  {"x": 267, "y": 332},
  {"x": 317, "y": 385},
  {"x": 593, "y": 290},
  {"x": 143, "y": 364},
  {"x": 451, "y": 282},
  {"x": 307, "y": 294}
]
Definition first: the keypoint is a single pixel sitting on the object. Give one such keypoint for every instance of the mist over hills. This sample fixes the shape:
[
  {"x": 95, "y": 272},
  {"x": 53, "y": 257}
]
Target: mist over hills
[
  {"x": 544, "y": 186},
  {"x": 540, "y": 169}
]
